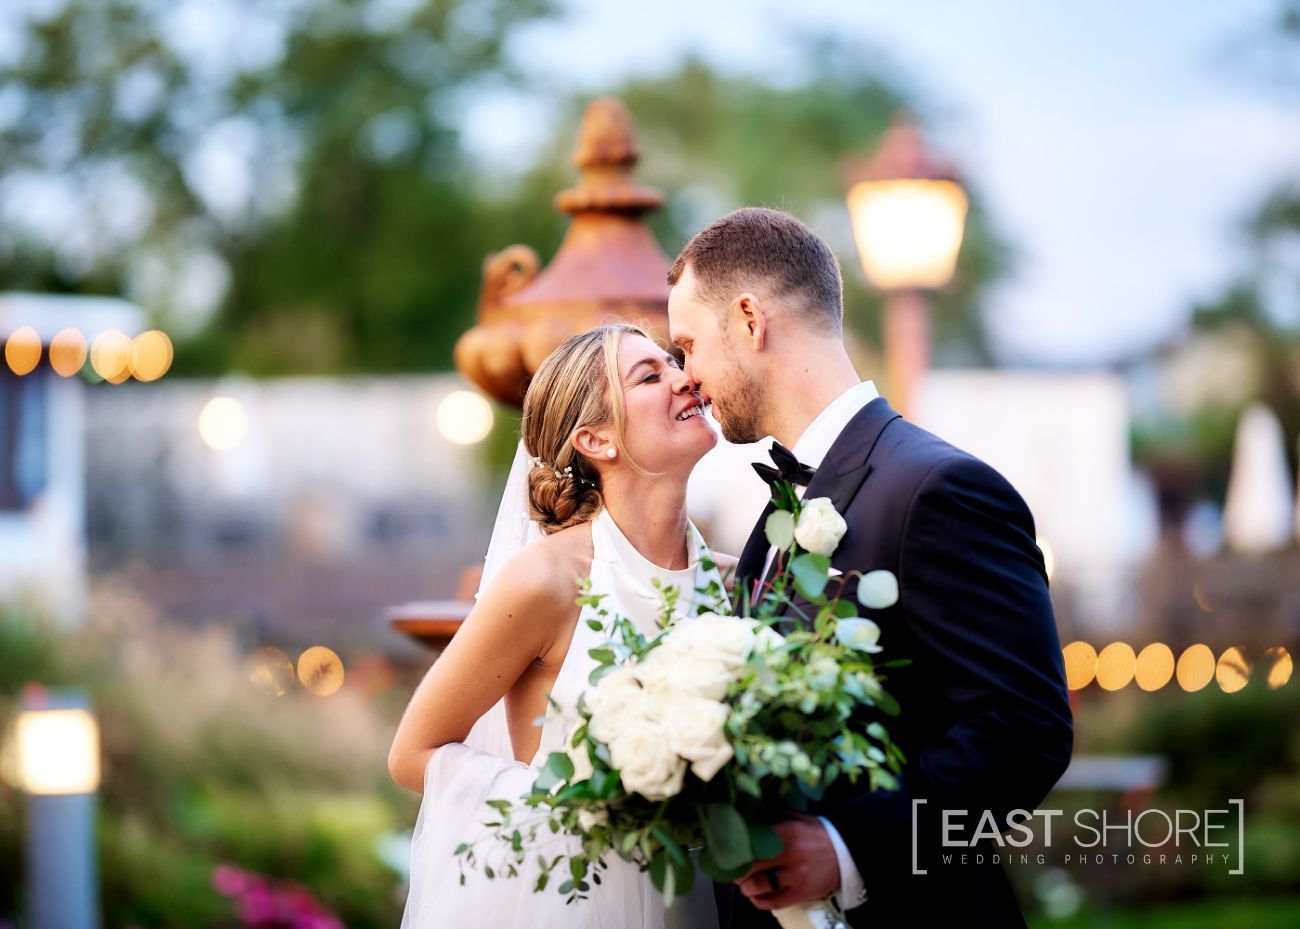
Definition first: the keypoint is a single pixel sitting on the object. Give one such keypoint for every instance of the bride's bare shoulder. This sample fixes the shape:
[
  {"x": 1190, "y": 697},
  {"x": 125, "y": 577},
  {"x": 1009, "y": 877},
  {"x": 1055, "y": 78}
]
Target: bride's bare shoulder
[{"x": 544, "y": 575}]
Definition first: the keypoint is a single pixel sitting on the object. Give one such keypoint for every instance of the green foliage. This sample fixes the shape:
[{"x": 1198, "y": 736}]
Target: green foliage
[
  {"x": 1243, "y": 913},
  {"x": 1218, "y": 746},
  {"x": 1257, "y": 308},
  {"x": 31, "y": 653},
  {"x": 202, "y": 769},
  {"x": 1224, "y": 745},
  {"x": 362, "y": 246}
]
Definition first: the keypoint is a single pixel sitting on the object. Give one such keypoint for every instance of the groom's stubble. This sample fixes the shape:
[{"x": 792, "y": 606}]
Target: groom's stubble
[{"x": 738, "y": 401}]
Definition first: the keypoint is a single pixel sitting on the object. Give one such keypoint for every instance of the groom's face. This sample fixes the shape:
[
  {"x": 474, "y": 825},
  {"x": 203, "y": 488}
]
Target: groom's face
[{"x": 712, "y": 360}]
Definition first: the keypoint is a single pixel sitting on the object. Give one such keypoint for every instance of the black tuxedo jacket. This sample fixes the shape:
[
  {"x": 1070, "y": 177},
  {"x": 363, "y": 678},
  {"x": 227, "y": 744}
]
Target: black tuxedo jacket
[{"x": 985, "y": 717}]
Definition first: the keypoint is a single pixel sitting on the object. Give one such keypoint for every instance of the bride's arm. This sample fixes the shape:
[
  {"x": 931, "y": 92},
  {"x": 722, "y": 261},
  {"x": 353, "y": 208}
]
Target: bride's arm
[{"x": 513, "y": 623}]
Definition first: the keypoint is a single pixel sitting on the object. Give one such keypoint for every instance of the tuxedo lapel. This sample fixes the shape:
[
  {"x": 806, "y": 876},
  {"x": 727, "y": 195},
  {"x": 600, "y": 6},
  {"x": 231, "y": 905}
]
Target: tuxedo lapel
[
  {"x": 847, "y": 463},
  {"x": 755, "y": 551},
  {"x": 840, "y": 476}
]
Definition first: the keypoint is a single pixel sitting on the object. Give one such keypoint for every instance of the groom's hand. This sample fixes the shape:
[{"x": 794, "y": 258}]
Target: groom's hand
[{"x": 806, "y": 869}]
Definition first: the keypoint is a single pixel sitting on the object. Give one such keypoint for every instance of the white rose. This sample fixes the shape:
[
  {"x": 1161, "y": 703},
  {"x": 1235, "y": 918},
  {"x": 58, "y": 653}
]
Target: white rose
[
  {"x": 861, "y": 634},
  {"x": 617, "y": 701},
  {"x": 620, "y": 678},
  {"x": 590, "y": 819},
  {"x": 668, "y": 675},
  {"x": 819, "y": 528},
  {"x": 726, "y": 639},
  {"x": 696, "y": 732},
  {"x": 645, "y": 761}
]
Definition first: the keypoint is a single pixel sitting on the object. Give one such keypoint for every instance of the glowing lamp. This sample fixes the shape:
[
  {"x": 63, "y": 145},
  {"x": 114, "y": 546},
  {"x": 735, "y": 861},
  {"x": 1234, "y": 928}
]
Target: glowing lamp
[
  {"x": 58, "y": 751},
  {"x": 908, "y": 213}
]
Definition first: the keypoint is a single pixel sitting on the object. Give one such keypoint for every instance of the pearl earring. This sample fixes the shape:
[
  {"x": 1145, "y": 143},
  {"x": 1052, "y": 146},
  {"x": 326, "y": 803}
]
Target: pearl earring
[{"x": 612, "y": 453}]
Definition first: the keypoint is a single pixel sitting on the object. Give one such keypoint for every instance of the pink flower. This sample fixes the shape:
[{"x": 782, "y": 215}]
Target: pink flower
[
  {"x": 256, "y": 907},
  {"x": 228, "y": 881}
]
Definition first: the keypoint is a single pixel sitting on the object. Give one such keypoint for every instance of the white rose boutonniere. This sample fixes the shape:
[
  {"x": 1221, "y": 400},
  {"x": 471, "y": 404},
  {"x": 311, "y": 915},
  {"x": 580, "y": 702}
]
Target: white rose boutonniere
[{"x": 819, "y": 528}]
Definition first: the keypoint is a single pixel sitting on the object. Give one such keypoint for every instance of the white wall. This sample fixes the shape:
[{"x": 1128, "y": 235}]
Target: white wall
[{"x": 1062, "y": 440}]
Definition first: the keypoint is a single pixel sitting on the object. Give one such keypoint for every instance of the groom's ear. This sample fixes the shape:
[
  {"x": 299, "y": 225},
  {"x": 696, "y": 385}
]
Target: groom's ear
[{"x": 752, "y": 315}]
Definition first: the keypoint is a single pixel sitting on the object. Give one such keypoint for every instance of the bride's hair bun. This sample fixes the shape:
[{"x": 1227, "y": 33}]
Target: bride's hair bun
[
  {"x": 558, "y": 502},
  {"x": 570, "y": 391}
]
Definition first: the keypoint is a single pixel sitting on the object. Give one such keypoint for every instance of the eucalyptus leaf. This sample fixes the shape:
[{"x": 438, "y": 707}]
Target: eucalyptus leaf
[
  {"x": 878, "y": 590},
  {"x": 779, "y": 529},
  {"x": 726, "y": 836},
  {"x": 811, "y": 573},
  {"x": 766, "y": 843},
  {"x": 718, "y": 873}
]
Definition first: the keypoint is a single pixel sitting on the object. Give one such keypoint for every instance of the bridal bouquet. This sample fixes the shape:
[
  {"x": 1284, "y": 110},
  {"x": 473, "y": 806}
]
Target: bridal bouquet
[{"x": 699, "y": 737}]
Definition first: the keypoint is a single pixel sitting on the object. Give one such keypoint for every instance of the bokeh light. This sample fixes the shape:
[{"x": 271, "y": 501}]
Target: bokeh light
[
  {"x": 1155, "y": 666},
  {"x": 1195, "y": 667},
  {"x": 1277, "y": 661},
  {"x": 151, "y": 355},
  {"x": 270, "y": 671},
  {"x": 110, "y": 356},
  {"x": 58, "y": 751},
  {"x": 320, "y": 670},
  {"x": 1115, "y": 666},
  {"x": 908, "y": 231},
  {"x": 68, "y": 352},
  {"x": 464, "y": 417},
  {"x": 1233, "y": 670},
  {"x": 1080, "y": 664},
  {"x": 23, "y": 350},
  {"x": 223, "y": 423}
]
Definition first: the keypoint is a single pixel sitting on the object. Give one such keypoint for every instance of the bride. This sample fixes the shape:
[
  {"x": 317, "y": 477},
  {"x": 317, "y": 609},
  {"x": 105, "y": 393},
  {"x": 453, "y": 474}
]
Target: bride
[{"x": 611, "y": 431}]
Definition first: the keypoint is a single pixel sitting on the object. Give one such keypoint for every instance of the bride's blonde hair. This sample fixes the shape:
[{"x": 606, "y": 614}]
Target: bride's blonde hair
[{"x": 576, "y": 387}]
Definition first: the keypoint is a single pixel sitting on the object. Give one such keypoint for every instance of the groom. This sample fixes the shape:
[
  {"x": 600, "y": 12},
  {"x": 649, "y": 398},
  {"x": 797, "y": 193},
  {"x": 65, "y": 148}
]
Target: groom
[{"x": 757, "y": 309}]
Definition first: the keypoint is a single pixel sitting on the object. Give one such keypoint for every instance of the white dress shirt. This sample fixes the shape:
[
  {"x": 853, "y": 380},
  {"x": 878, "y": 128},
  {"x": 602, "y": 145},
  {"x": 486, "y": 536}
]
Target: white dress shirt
[{"x": 811, "y": 449}]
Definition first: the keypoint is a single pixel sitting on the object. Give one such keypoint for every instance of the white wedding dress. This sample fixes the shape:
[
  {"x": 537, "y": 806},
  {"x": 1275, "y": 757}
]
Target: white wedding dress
[{"x": 459, "y": 780}]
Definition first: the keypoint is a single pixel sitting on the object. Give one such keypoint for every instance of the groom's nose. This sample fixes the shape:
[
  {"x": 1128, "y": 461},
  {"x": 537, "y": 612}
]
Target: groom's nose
[
  {"x": 690, "y": 375},
  {"x": 694, "y": 382}
]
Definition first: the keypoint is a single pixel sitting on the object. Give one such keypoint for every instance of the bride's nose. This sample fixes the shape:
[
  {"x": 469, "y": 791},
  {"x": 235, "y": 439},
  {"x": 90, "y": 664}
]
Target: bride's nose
[{"x": 681, "y": 382}]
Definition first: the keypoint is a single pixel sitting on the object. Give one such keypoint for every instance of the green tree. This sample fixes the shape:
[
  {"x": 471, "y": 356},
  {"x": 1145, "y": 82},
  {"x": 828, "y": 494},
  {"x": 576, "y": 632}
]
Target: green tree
[
  {"x": 355, "y": 243},
  {"x": 354, "y": 238},
  {"x": 714, "y": 142}
]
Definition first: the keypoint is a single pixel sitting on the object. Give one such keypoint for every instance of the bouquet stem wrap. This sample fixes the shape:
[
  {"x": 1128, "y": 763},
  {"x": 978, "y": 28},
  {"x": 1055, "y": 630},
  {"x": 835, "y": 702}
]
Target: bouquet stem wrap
[{"x": 817, "y": 914}]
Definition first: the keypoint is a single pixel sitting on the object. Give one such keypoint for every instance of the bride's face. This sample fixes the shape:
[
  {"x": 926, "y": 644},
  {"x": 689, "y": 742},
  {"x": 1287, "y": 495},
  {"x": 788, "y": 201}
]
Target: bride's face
[{"x": 666, "y": 428}]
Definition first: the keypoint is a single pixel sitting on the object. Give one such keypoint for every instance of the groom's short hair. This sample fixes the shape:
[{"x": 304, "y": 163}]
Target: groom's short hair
[{"x": 755, "y": 245}]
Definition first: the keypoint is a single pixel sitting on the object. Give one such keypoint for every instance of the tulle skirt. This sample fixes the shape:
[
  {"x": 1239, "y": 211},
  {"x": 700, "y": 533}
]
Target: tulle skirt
[{"x": 457, "y": 785}]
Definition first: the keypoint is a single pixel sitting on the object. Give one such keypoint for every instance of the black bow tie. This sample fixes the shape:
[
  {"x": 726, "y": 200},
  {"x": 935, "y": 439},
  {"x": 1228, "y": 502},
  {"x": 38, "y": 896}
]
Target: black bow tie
[{"x": 788, "y": 468}]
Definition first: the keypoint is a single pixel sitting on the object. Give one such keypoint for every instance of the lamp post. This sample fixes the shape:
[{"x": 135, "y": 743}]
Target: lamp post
[
  {"x": 908, "y": 214},
  {"x": 58, "y": 764}
]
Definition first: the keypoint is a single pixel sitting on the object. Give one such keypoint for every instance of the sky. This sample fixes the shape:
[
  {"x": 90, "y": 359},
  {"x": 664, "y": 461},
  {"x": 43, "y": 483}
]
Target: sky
[{"x": 1117, "y": 145}]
